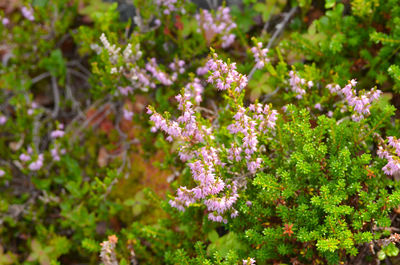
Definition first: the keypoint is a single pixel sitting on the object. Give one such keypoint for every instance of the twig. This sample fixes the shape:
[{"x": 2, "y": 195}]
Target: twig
[
  {"x": 270, "y": 94},
  {"x": 40, "y": 77},
  {"x": 56, "y": 95},
  {"x": 94, "y": 105},
  {"x": 70, "y": 95},
  {"x": 79, "y": 65},
  {"x": 78, "y": 74},
  {"x": 279, "y": 29},
  {"x": 35, "y": 132}
]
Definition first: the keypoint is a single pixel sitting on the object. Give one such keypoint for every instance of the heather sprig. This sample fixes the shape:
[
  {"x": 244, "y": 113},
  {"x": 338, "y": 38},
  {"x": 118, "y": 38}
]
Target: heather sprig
[
  {"x": 205, "y": 155},
  {"x": 260, "y": 55},
  {"x": 361, "y": 103},
  {"x": 391, "y": 152},
  {"x": 217, "y": 25}
]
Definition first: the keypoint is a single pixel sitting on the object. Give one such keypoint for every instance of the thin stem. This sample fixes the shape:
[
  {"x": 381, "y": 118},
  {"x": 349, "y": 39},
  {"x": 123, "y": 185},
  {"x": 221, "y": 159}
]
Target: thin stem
[
  {"x": 56, "y": 95},
  {"x": 279, "y": 29}
]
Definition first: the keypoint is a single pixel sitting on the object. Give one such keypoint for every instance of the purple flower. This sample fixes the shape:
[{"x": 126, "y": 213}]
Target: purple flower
[
  {"x": 3, "y": 119},
  {"x": 249, "y": 261},
  {"x": 24, "y": 157},
  {"x": 202, "y": 70},
  {"x": 58, "y": 133},
  {"x": 127, "y": 114},
  {"x": 224, "y": 75},
  {"x": 195, "y": 89},
  {"x": 5, "y": 21},
  {"x": 36, "y": 165},
  {"x": 161, "y": 76},
  {"x": 216, "y": 25},
  {"x": 27, "y": 13},
  {"x": 55, "y": 155},
  {"x": 260, "y": 55},
  {"x": 361, "y": 103},
  {"x": 169, "y": 6},
  {"x": 296, "y": 84},
  {"x": 2, "y": 172},
  {"x": 390, "y": 152},
  {"x": 125, "y": 90}
]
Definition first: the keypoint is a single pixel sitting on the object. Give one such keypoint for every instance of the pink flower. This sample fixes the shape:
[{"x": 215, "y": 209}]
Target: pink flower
[
  {"x": 27, "y": 13},
  {"x": 127, "y": 114},
  {"x": 249, "y": 261},
  {"x": 260, "y": 55},
  {"x": 3, "y": 119},
  {"x": 5, "y": 21},
  {"x": 125, "y": 90},
  {"x": 24, "y": 157},
  {"x": 216, "y": 25},
  {"x": 296, "y": 84},
  {"x": 195, "y": 89},
  {"x": 224, "y": 75},
  {"x": 361, "y": 103},
  {"x": 202, "y": 70},
  {"x": 57, "y": 134},
  {"x": 36, "y": 165}
]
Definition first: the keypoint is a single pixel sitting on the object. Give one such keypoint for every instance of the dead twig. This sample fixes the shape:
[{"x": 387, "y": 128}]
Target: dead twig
[
  {"x": 56, "y": 95},
  {"x": 279, "y": 29},
  {"x": 40, "y": 77}
]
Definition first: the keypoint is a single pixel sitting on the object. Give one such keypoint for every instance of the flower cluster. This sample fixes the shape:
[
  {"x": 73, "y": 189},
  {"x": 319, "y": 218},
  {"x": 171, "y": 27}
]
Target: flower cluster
[
  {"x": 157, "y": 73},
  {"x": 58, "y": 133},
  {"x": 218, "y": 196},
  {"x": 206, "y": 157},
  {"x": 3, "y": 119},
  {"x": 195, "y": 89},
  {"x": 107, "y": 253},
  {"x": 260, "y": 55},
  {"x": 202, "y": 70},
  {"x": 27, "y": 12},
  {"x": 250, "y": 123},
  {"x": 142, "y": 78},
  {"x": 186, "y": 127},
  {"x": 177, "y": 66},
  {"x": 113, "y": 50},
  {"x": 219, "y": 24},
  {"x": 361, "y": 103},
  {"x": 297, "y": 84},
  {"x": 391, "y": 152},
  {"x": 125, "y": 90},
  {"x": 169, "y": 6},
  {"x": 127, "y": 114},
  {"x": 35, "y": 165},
  {"x": 5, "y": 21},
  {"x": 32, "y": 108},
  {"x": 55, "y": 153},
  {"x": 224, "y": 75},
  {"x": 249, "y": 261}
]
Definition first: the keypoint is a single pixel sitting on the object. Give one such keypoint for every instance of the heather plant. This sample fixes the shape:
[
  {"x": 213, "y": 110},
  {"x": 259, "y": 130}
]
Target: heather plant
[{"x": 290, "y": 186}]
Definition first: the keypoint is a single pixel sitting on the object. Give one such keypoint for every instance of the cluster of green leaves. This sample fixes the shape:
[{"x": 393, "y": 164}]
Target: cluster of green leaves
[
  {"x": 45, "y": 214},
  {"x": 352, "y": 39}
]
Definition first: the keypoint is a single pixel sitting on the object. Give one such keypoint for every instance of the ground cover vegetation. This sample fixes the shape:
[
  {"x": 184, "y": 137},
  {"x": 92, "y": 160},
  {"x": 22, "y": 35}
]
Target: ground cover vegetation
[{"x": 199, "y": 132}]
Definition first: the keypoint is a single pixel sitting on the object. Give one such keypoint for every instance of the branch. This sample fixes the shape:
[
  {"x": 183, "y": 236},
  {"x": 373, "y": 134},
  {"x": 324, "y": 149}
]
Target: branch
[
  {"x": 56, "y": 95},
  {"x": 279, "y": 29}
]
